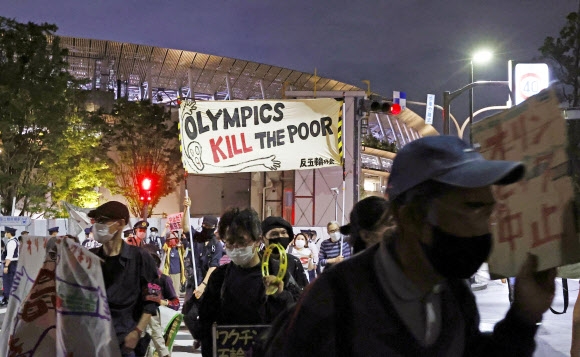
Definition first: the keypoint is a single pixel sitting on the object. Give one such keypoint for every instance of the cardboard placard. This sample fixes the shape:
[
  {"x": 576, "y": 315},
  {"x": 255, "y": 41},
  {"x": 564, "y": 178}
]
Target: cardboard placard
[
  {"x": 536, "y": 214},
  {"x": 235, "y": 340},
  {"x": 174, "y": 221}
]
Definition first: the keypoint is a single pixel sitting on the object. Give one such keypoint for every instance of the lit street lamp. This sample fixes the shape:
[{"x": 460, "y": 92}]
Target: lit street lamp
[{"x": 482, "y": 56}]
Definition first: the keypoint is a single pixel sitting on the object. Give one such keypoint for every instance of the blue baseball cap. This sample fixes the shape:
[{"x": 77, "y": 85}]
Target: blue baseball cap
[{"x": 449, "y": 160}]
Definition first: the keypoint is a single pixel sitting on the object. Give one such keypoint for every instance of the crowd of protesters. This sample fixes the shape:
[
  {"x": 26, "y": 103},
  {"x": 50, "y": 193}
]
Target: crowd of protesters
[{"x": 393, "y": 281}]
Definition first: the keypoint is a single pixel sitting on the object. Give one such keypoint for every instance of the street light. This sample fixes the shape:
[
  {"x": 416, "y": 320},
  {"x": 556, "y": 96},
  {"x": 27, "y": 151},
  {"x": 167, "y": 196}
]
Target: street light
[{"x": 482, "y": 56}]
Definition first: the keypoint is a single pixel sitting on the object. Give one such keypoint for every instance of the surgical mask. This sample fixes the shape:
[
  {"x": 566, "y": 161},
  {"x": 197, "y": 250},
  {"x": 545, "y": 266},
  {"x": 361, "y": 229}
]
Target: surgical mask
[
  {"x": 300, "y": 244},
  {"x": 457, "y": 257},
  {"x": 241, "y": 256},
  {"x": 335, "y": 236},
  {"x": 101, "y": 232}
]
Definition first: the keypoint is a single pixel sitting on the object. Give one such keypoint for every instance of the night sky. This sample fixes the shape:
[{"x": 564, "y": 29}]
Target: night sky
[{"x": 419, "y": 47}]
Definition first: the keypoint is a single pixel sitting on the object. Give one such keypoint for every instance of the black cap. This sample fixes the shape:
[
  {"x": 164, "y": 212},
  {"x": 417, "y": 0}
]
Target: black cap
[
  {"x": 24, "y": 232},
  {"x": 112, "y": 210},
  {"x": 141, "y": 224},
  {"x": 365, "y": 214},
  {"x": 210, "y": 220},
  {"x": 53, "y": 230},
  {"x": 127, "y": 232},
  {"x": 10, "y": 230},
  {"x": 276, "y": 222},
  {"x": 153, "y": 229}
]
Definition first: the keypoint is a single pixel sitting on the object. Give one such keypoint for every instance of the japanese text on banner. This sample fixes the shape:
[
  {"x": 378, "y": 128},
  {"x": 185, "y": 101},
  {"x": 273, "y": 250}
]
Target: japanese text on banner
[{"x": 529, "y": 214}]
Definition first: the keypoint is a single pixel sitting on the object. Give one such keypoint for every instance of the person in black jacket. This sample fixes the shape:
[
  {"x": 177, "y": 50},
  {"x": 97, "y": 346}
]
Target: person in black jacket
[
  {"x": 408, "y": 296},
  {"x": 236, "y": 292},
  {"x": 278, "y": 230}
]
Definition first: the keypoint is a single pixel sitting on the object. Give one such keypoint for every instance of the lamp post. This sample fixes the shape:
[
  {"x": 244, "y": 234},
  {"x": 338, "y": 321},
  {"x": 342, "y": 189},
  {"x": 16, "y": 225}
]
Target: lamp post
[{"x": 482, "y": 56}]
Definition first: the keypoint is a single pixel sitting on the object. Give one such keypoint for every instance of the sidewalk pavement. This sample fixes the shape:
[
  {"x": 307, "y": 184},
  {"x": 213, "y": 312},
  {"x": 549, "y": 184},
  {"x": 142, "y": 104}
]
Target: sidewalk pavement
[{"x": 554, "y": 335}]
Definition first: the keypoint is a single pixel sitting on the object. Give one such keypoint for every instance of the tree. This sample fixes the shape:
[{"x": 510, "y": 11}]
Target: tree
[
  {"x": 564, "y": 55},
  {"x": 142, "y": 142},
  {"x": 47, "y": 145},
  {"x": 81, "y": 166}
]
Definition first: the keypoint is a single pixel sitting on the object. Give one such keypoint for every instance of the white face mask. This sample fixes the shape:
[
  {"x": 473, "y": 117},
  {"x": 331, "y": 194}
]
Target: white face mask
[
  {"x": 241, "y": 256},
  {"x": 101, "y": 232},
  {"x": 335, "y": 236},
  {"x": 300, "y": 244}
]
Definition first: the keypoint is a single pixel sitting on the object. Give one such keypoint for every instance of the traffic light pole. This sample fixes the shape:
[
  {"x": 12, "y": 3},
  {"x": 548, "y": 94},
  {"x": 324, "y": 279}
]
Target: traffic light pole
[{"x": 145, "y": 211}]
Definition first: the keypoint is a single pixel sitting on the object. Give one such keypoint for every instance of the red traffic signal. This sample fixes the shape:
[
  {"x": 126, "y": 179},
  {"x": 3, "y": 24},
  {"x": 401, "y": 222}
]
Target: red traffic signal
[
  {"x": 145, "y": 190},
  {"x": 146, "y": 184},
  {"x": 395, "y": 108},
  {"x": 386, "y": 107},
  {"x": 145, "y": 196}
]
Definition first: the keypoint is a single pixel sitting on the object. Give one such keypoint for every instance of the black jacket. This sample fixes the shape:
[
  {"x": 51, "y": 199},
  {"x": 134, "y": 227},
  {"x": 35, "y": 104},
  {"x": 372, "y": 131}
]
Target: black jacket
[
  {"x": 344, "y": 312},
  {"x": 236, "y": 296}
]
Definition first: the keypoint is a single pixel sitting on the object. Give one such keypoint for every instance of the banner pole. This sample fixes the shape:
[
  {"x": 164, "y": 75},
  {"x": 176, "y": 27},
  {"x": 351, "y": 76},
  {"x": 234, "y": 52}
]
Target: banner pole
[{"x": 191, "y": 238}]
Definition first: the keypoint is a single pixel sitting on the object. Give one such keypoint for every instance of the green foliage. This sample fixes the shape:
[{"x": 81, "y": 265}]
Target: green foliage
[
  {"x": 563, "y": 53},
  {"x": 375, "y": 143},
  {"x": 81, "y": 166},
  {"x": 48, "y": 149},
  {"x": 142, "y": 142}
]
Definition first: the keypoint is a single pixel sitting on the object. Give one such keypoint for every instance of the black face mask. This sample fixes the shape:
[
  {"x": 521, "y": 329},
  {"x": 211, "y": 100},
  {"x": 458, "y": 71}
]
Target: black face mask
[
  {"x": 205, "y": 235},
  {"x": 457, "y": 257},
  {"x": 283, "y": 241}
]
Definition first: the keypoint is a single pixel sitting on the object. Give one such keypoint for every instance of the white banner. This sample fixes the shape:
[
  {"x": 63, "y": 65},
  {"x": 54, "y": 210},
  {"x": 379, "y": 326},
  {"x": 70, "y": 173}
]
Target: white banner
[
  {"x": 58, "y": 303},
  {"x": 259, "y": 135},
  {"x": 14, "y": 221}
]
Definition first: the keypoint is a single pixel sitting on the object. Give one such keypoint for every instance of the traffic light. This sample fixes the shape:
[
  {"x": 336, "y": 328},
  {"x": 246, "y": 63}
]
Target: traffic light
[
  {"x": 386, "y": 107},
  {"x": 145, "y": 189}
]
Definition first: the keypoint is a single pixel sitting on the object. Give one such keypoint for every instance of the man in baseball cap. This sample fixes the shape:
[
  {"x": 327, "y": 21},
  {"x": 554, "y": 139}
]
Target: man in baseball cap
[
  {"x": 129, "y": 274},
  {"x": 416, "y": 300}
]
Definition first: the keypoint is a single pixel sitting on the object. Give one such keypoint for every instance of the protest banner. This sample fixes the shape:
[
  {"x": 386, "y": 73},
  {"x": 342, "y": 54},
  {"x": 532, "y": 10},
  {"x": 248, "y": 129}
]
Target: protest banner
[
  {"x": 235, "y": 340},
  {"x": 174, "y": 221},
  {"x": 260, "y": 135},
  {"x": 58, "y": 303},
  {"x": 535, "y": 215}
]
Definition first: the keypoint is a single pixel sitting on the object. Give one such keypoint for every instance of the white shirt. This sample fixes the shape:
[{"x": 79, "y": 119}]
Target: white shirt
[{"x": 11, "y": 247}]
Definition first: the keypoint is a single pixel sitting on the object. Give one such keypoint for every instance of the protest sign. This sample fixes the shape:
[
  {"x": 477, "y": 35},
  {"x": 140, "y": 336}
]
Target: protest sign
[
  {"x": 235, "y": 340},
  {"x": 174, "y": 221},
  {"x": 58, "y": 303},
  {"x": 536, "y": 214},
  {"x": 260, "y": 135}
]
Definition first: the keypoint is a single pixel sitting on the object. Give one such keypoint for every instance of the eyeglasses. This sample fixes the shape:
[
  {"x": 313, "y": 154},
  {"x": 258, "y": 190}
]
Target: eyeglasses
[
  {"x": 103, "y": 219},
  {"x": 333, "y": 230}
]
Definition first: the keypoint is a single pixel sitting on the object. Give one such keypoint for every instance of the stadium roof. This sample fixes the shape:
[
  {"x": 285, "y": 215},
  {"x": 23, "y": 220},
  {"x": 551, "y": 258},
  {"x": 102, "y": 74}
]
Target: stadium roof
[{"x": 161, "y": 72}]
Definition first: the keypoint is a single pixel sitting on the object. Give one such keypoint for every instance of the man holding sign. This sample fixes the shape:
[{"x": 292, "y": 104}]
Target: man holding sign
[{"x": 413, "y": 284}]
